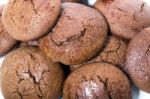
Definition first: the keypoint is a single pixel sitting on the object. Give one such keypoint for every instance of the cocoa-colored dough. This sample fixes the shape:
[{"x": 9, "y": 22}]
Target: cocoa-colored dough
[
  {"x": 30, "y": 19},
  {"x": 6, "y": 41},
  {"x": 114, "y": 53},
  {"x": 27, "y": 74},
  {"x": 138, "y": 60},
  {"x": 79, "y": 35},
  {"x": 125, "y": 17},
  {"x": 97, "y": 81}
]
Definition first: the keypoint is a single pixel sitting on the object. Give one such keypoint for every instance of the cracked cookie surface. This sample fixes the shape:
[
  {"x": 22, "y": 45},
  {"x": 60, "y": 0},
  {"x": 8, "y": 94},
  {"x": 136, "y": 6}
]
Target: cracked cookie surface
[
  {"x": 28, "y": 74},
  {"x": 137, "y": 64},
  {"x": 77, "y": 37},
  {"x": 30, "y": 19},
  {"x": 126, "y": 18},
  {"x": 114, "y": 53},
  {"x": 6, "y": 41},
  {"x": 97, "y": 81}
]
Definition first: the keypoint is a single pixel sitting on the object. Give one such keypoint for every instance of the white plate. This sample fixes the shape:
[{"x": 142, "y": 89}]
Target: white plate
[{"x": 137, "y": 94}]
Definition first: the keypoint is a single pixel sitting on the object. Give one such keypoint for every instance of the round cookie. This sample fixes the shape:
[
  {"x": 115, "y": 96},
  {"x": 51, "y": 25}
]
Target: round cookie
[
  {"x": 126, "y": 18},
  {"x": 27, "y": 74},
  {"x": 97, "y": 81},
  {"x": 6, "y": 41},
  {"x": 77, "y": 37},
  {"x": 71, "y": 0},
  {"x": 138, "y": 60},
  {"x": 114, "y": 53},
  {"x": 30, "y": 19}
]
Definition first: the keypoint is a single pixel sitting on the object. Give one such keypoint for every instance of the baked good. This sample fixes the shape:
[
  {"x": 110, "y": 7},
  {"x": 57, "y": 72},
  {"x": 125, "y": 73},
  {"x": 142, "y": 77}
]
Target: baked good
[
  {"x": 27, "y": 74},
  {"x": 30, "y": 19},
  {"x": 126, "y": 18},
  {"x": 77, "y": 37},
  {"x": 138, "y": 60},
  {"x": 6, "y": 41},
  {"x": 114, "y": 53},
  {"x": 97, "y": 81}
]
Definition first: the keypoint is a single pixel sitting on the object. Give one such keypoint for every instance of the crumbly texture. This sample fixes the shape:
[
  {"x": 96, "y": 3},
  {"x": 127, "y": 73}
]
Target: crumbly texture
[
  {"x": 6, "y": 41},
  {"x": 138, "y": 60},
  {"x": 97, "y": 81},
  {"x": 77, "y": 37},
  {"x": 114, "y": 53},
  {"x": 71, "y": 1},
  {"x": 27, "y": 74},
  {"x": 125, "y": 18},
  {"x": 30, "y": 19}
]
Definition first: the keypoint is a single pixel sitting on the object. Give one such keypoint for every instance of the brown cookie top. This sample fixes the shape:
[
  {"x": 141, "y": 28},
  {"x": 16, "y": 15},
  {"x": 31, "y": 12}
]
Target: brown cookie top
[
  {"x": 97, "y": 81},
  {"x": 78, "y": 36},
  {"x": 126, "y": 18},
  {"x": 114, "y": 53},
  {"x": 138, "y": 60},
  {"x": 6, "y": 41},
  {"x": 28, "y": 74},
  {"x": 30, "y": 19}
]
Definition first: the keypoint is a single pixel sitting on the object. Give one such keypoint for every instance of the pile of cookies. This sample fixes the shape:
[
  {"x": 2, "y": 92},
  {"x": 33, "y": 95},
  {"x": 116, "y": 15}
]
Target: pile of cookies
[{"x": 67, "y": 49}]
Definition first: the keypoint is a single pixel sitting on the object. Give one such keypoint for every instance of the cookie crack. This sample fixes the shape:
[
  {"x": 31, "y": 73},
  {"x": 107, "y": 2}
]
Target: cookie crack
[
  {"x": 106, "y": 86},
  {"x": 70, "y": 39},
  {"x": 142, "y": 7},
  {"x": 21, "y": 96},
  {"x": 147, "y": 50}
]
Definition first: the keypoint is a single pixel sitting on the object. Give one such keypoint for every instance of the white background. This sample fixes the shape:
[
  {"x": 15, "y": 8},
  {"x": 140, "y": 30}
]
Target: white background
[{"x": 137, "y": 94}]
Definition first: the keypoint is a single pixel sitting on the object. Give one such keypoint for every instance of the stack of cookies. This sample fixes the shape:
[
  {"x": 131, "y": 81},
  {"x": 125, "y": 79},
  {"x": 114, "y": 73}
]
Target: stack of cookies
[{"x": 64, "y": 48}]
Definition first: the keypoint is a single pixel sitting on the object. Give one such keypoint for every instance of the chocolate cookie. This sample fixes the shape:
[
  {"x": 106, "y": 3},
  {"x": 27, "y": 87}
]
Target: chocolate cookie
[
  {"x": 138, "y": 60},
  {"x": 71, "y": 0},
  {"x": 97, "y": 81},
  {"x": 30, "y": 19},
  {"x": 6, "y": 41},
  {"x": 27, "y": 74},
  {"x": 77, "y": 37},
  {"x": 126, "y": 18},
  {"x": 114, "y": 53}
]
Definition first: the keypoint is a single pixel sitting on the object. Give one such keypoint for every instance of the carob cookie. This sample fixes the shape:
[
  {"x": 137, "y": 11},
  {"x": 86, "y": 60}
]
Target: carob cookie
[
  {"x": 97, "y": 81},
  {"x": 27, "y": 74},
  {"x": 30, "y": 19},
  {"x": 77, "y": 37},
  {"x": 138, "y": 60},
  {"x": 126, "y": 18},
  {"x": 6, "y": 41},
  {"x": 114, "y": 53}
]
